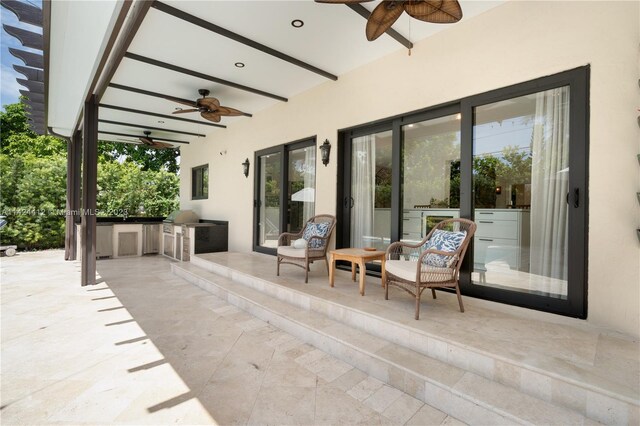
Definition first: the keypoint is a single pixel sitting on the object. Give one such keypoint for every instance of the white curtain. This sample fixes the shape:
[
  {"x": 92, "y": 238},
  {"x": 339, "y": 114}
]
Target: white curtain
[
  {"x": 550, "y": 184},
  {"x": 363, "y": 188},
  {"x": 309, "y": 181}
]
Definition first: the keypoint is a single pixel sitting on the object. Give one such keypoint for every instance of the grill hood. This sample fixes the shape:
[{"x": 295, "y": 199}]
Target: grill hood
[{"x": 182, "y": 216}]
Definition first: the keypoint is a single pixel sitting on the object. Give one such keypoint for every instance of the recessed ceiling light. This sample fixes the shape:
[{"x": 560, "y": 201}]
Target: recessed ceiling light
[
  {"x": 160, "y": 121},
  {"x": 178, "y": 109},
  {"x": 410, "y": 125},
  {"x": 239, "y": 65},
  {"x": 297, "y": 23}
]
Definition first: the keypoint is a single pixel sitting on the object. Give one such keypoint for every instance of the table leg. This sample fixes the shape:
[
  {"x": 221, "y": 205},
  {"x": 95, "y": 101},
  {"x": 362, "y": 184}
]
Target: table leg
[
  {"x": 363, "y": 274},
  {"x": 384, "y": 273},
  {"x": 353, "y": 270},
  {"x": 332, "y": 270}
]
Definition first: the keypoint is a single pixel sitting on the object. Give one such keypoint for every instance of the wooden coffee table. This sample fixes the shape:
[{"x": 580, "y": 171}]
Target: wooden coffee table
[{"x": 356, "y": 256}]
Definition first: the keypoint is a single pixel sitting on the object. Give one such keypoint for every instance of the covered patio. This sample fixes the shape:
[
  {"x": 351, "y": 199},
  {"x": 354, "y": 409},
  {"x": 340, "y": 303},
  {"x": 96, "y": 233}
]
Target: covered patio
[{"x": 278, "y": 103}]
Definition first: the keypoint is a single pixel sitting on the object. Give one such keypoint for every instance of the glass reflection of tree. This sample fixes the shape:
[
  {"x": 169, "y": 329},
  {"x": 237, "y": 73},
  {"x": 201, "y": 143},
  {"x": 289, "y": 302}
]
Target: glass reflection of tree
[
  {"x": 508, "y": 168},
  {"x": 429, "y": 169}
]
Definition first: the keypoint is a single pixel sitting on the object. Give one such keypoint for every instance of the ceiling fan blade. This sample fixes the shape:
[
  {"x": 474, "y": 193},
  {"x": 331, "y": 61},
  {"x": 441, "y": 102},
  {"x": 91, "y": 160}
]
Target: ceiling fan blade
[
  {"x": 223, "y": 110},
  {"x": 179, "y": 101},
  {"x": 342, "y": 1},
  {"x": 382, "y": 18},
  {"x": 211, "y": 116},
  {"x": 182, "y": 111},
  {"x": 146, "y": 141},
  {"x": 209, "y": 103},
  {"x": 159, "y": 145},
  {"x": 435, "y": 11}
]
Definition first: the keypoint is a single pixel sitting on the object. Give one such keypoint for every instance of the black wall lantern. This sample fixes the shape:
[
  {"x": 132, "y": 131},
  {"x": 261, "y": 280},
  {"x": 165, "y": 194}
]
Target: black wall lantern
[
  {"x": 325, "y": 150},
  {"x": 245, "y": 167}
]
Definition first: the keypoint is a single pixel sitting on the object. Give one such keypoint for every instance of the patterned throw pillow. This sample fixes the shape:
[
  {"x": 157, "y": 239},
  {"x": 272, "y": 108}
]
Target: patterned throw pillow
[
  {"x": 316, "y": 229},
  {"x": 444, "y": 241}
]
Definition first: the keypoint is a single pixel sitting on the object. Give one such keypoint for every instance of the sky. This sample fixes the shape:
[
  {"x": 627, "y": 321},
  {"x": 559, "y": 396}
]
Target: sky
[{"x": 9, "y": 87}]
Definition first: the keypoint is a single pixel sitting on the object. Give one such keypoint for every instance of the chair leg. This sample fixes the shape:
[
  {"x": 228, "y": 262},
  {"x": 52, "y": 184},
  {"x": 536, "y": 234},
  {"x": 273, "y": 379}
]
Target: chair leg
[
  {"x": 386, "y": 289},
  {"x": 459, "y": 298},
  {"x": 278, "y": 269},
  {"x": 306, "y": 274},
  {"x": 326, "y": 261},
  {"x": 418, "y": 304},
  {"x": 433, "y": 292}
]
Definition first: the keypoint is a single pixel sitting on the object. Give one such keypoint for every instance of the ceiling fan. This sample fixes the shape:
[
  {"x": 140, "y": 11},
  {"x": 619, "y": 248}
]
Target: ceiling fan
[
  {"x": 387, "y": 12},
  {"x": 147, "y": 141},
  {"x": 209, "y": 108}
]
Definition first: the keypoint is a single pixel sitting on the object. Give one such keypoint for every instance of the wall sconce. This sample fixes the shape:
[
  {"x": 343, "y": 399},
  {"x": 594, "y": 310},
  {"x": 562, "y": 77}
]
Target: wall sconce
[
  {"x": 325, "y": 150},
  {"x": 245, "y": 167},
  {"x": 498, "y": 190}
]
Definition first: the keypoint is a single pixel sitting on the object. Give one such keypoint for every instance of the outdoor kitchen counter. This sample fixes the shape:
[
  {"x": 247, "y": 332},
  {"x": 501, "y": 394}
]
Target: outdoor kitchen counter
[
  {"x": 120, "y": 237},
  {"x": 187, "y": 239}
]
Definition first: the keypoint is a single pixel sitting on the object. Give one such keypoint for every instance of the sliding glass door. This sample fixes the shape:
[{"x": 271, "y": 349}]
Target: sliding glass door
[
  {"x": 521, "y": 181},
  {"x": 514, "y": 160},
  {"x": 430, "y": 172},
  {"x": 268, "y": 201},
  {"x": 370, "y": 199},
  {"x": 284, "y": 191}
]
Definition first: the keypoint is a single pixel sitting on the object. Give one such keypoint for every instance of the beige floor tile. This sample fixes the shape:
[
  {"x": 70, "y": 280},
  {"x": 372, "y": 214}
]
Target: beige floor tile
[
  {"x": 427, "y": 416},
  {"x": 403, "y": 409},
  {"x": 335, "y": 408},
  {"x": 382, "y": 398},
  {"x": 284, "y": 405},
  {"x": 365, "y": 388}
]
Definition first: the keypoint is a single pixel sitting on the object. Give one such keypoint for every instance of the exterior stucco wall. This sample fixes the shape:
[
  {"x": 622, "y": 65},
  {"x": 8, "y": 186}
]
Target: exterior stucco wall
[{"x": 513, "y": 43}]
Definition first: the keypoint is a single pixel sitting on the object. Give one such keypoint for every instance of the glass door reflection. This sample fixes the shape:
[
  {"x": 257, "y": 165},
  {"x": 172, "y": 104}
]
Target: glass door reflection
[
  {"x": 269, "y": 200},
  {"x": 521, "y": 181},
  {"x": 301, "y": 194},
  {"x": 371, "y": 191},
  {"x": 430, "y": 175}
]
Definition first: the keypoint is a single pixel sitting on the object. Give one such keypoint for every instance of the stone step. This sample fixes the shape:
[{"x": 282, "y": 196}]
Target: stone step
[
  {"x": 456, "y": 391},
  {"x": 608, "y": 405}
]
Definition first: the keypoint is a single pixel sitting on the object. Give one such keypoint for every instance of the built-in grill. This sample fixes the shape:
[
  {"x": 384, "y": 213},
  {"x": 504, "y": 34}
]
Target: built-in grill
[{"x": 178, "y": 217}]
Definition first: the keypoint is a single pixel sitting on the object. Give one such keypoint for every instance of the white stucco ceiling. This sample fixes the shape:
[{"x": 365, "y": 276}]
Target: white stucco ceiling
[{"x": 331, "y": 39}]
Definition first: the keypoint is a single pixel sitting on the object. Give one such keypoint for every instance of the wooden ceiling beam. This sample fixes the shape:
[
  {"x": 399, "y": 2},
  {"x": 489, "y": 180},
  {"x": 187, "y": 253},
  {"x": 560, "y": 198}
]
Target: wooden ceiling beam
[
  {"x": 194, "y": 20},
  {"x": 167, "y": 117},
  {"x": 202, "y": 76},
  {"x": 157, "y": 95},
  {"x": 140, "y": 136},
  {"x": 119, "y": 123}
]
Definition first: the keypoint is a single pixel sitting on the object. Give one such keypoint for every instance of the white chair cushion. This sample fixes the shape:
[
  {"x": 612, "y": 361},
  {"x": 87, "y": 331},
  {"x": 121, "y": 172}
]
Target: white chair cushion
[
  {"x": 406, "y": 269},
  {"x": 291, "y": 251}
]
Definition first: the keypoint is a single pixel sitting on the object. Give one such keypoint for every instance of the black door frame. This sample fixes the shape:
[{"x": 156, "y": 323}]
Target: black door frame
[
  {"x": 283, "y": 150},
  {"x": 578, "y": 80}
]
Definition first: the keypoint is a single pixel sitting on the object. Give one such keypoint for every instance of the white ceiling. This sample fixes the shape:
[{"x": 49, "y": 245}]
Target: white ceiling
[{"x": 332, "y": 39}]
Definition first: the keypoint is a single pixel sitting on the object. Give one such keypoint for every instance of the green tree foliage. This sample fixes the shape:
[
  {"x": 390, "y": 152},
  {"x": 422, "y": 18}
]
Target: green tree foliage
[
  {"x": 14, "y": 122},
  {"x": 145, "y": 157},
  {"x": 33, "y": 182},
  {"x": 33, "y": 200},
  {"x": 124, "y": 188}
]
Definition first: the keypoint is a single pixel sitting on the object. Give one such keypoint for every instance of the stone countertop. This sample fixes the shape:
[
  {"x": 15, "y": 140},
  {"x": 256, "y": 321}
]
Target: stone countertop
[{"x": 134, "y": 220}]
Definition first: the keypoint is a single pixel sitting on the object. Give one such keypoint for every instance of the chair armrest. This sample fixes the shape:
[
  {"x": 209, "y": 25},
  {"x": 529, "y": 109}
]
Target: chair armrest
[
  {"x": 407, "y": 250},
  {"x": 286, "y": 237}
]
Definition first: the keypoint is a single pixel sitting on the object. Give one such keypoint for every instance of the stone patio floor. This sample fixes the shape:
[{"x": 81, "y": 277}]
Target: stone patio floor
[{"x": 146, "y": 347}]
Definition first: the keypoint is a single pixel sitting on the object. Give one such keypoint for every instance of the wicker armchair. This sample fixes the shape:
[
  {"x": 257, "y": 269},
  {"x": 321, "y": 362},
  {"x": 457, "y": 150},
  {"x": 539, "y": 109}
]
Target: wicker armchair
[
  {"x": 405, "y": 265},
  {"x": 303, "y": 257}
]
